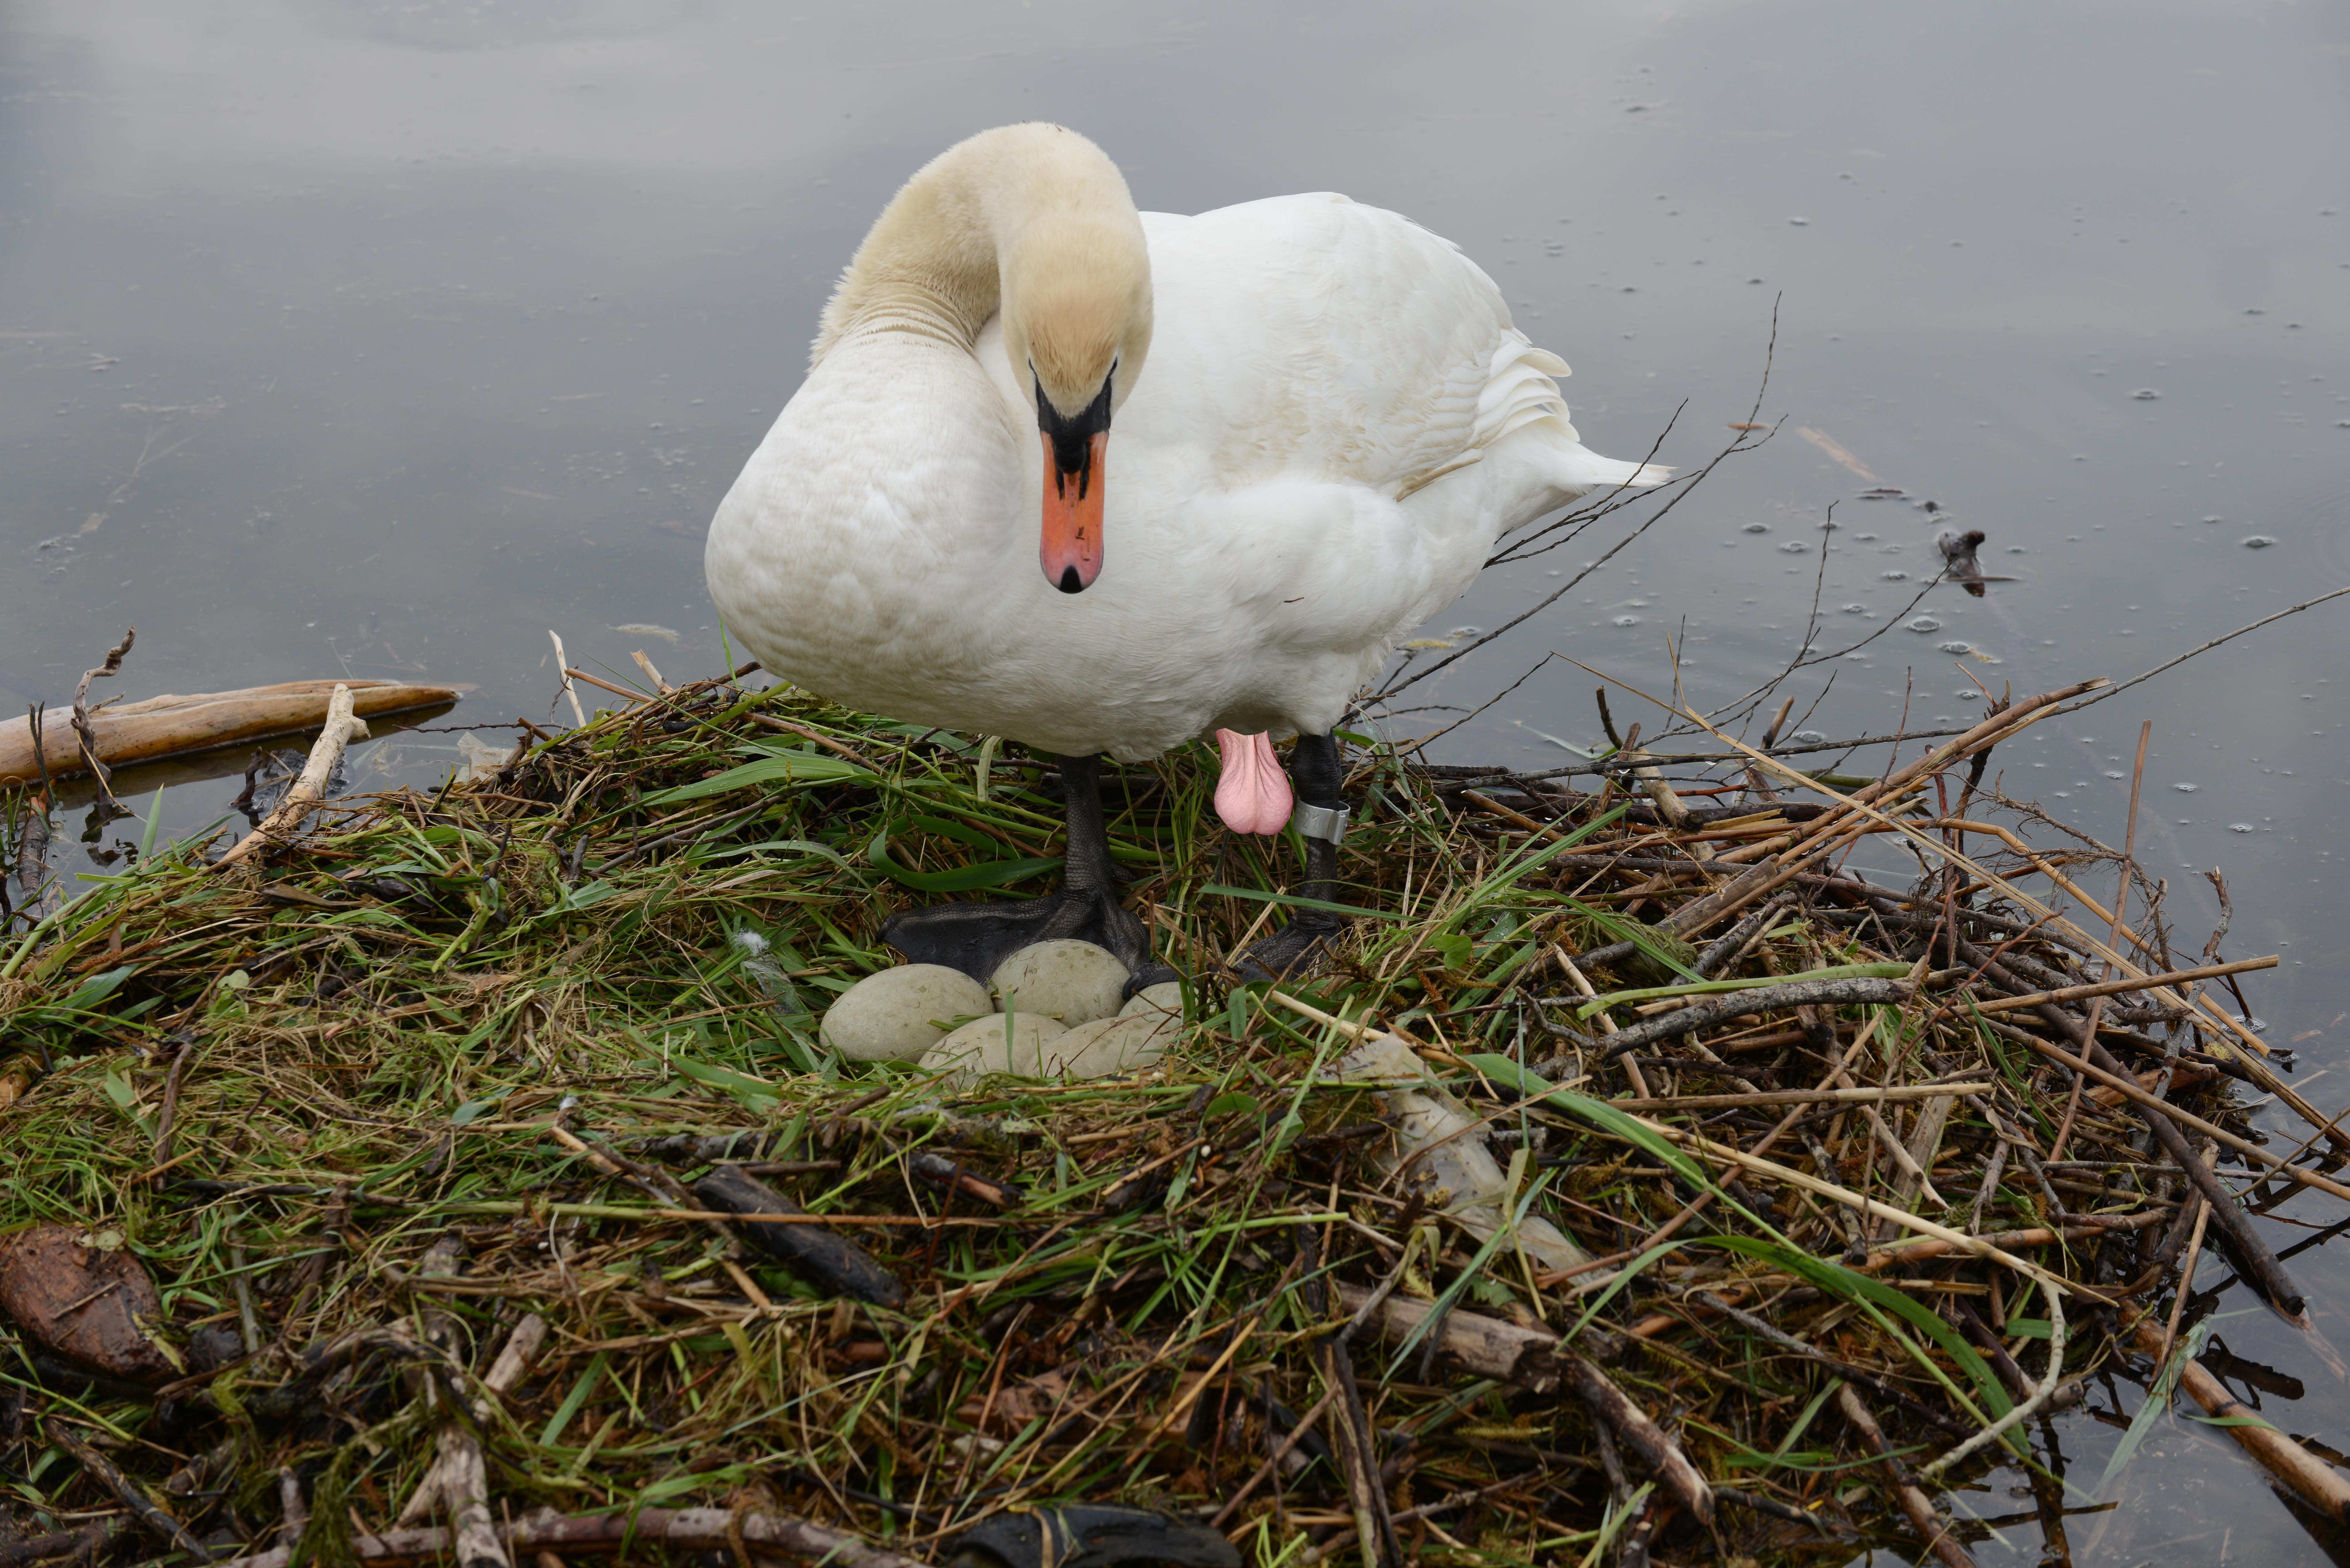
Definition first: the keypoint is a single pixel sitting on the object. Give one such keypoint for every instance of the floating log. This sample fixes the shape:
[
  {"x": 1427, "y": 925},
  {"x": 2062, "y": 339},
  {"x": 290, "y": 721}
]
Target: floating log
[{"x": 168, "y": 726}]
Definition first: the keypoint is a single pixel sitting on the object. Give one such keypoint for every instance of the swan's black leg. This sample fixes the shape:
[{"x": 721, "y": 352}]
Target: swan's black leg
[
  {"x": 977, "y": 937},
  {"x": 1297, "y": 947}
]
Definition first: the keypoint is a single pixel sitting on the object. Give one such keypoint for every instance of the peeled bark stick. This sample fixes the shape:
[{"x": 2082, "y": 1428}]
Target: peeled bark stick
[
  {"x": 2115, "y": 987},
  {"x": 1610, "y": 1405},
  {"x": 159, "y": 727},
  {"x": 834, "y": 1263},
  {"x": 2040, "y": 1398},
  {"x": 1915, "y": 1504},
  {"x": 563, "y": 669},
  {"x": 340, "y": 730},
  {"x": 1712, "y": 1010},
  {"x": 458, "y": 1460},
  {"x": 2316, "y": 1483},
  {"x": 1487, "y": 1346},
  {"x": 695, "y": 1528}
]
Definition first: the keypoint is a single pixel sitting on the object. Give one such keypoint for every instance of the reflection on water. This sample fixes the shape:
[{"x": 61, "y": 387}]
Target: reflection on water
[{"x": 381, "y": 338}]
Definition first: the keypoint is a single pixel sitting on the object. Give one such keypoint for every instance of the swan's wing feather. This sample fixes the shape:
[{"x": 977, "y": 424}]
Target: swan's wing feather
[{"x": 1315, "y": 331}]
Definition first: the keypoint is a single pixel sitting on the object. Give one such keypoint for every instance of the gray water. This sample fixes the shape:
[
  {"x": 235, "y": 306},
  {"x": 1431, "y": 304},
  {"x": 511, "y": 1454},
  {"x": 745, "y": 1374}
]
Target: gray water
[{"x": 381, "y": 338}]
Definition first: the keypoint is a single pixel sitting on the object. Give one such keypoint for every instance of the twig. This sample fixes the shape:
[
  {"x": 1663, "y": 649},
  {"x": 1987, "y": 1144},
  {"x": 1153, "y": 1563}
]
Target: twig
[
  {"x": 108, "y": 807},
  {"x": 341, "y": 728},
  {"x": 1915, "y": 1504},
  {"x": 2023, "y": 1412}
]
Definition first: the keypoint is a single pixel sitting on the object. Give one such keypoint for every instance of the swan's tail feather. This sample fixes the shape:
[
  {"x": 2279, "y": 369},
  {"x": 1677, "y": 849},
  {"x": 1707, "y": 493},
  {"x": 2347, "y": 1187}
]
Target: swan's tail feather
[{"x": 1582, "y": 470}]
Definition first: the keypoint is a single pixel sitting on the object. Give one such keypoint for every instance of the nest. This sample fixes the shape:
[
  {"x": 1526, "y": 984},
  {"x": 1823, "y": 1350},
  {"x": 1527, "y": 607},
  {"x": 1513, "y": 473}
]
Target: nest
[{"x": 464, "y": 1174}]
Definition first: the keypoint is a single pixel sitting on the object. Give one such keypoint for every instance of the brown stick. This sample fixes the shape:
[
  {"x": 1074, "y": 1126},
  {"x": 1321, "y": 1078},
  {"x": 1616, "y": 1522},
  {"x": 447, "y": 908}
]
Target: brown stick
[
  {"x": 127, "y": 1491},
  {"x": 1915, "y": 1504},
  {"x": 2318, "y": 1484},
  {"x": 2113, "y": 942},
  {"x": 2157, "y": 1112},
  {"x": 1298, "y": 1435},
  {"x": 1801, "y": 1097},
  {"x": 1610, "y": 1405},
  {"x": 826, "y": 742},
  {"x": 2115, "y": 987},
  {"x": 81, "y": 1545},
  {"x": 1712, "y": 1010},
  {"x": 701, "y": 1529}
]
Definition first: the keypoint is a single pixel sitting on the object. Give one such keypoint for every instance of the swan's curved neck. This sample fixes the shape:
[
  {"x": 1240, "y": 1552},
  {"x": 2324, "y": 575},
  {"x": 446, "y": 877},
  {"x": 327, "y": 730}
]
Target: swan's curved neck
[{"x": 1031, "y": 221}]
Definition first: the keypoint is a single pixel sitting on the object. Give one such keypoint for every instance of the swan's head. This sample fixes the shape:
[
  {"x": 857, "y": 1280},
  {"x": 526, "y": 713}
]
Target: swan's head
[{"x": 1076, "y": 326}]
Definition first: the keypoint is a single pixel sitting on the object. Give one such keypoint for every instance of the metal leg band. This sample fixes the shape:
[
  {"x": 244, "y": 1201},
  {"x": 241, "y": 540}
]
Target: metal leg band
[{"x": 1326, "y": 822}]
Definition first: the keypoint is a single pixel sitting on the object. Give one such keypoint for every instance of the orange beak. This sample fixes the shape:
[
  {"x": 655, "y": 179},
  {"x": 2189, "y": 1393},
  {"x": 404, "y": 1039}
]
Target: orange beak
[{"x": 1072, "y": 546}]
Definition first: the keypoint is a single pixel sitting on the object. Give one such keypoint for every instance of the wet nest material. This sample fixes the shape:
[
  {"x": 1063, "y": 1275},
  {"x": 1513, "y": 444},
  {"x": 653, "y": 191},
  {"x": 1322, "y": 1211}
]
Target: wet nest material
[{"x": 1636, "y": 1179}]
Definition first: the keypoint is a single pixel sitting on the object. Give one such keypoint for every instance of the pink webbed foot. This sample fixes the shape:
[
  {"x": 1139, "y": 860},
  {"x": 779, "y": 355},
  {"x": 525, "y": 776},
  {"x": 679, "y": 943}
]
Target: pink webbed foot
[{"x": 1252, "y": 795}]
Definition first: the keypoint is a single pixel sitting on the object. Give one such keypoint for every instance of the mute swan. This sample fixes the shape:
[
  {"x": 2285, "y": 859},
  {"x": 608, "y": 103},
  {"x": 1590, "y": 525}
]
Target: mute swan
[{"x": 1324, "y": 420}]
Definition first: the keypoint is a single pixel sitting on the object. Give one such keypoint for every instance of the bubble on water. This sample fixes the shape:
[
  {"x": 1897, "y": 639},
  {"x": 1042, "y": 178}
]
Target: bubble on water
[
  {"x": 1810, "y": 737},
  {"x": 1793, "y": 548},
  {"x": 1799, "y": 222},
  {"x": 1856, "y": 609},
  {"x": 2242, "y": 827},
  {"x": 2215, "y": 520},
  {"x": 1758, "y": 527},
  {"x": 1894, "y": 576},
  {"x": 2145, "y": 394},
  {"x": 2186, "y": 788},
  {"x": 1954, "y": 647},
  {"x": 2115, "y": 773},
  {"x": 1466, "y": 632},
  {"x": 1627, "y": 620},
  {"x": 1924, "y": 623},
  {"x": 2257, "y": 542}
]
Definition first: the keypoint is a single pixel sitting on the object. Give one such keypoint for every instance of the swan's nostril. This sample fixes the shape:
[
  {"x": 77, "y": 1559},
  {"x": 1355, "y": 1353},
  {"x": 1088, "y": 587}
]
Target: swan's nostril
[{"x": 1070, "y": 582}]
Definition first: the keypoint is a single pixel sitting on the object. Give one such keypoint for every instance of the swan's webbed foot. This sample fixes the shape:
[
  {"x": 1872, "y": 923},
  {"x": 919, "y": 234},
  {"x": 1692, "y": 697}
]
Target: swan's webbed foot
[
  {"x": 1292, "y": 952},
  {"x": 977, "y": 937}
]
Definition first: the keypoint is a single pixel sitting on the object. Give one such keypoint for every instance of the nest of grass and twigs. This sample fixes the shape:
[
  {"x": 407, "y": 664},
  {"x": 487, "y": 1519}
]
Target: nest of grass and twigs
[{"x": 410, "y": 1154}]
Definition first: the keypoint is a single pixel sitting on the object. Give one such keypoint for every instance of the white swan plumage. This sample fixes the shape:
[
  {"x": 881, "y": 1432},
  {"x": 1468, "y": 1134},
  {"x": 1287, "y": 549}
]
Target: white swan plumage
[{"x": 1336, "y": 423}]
